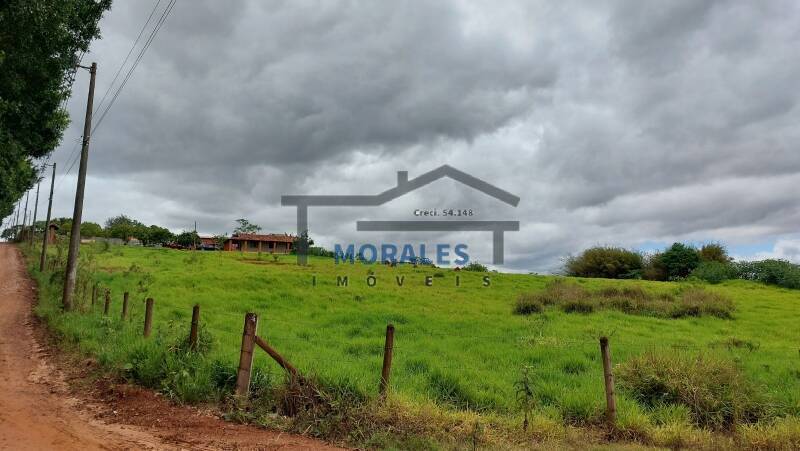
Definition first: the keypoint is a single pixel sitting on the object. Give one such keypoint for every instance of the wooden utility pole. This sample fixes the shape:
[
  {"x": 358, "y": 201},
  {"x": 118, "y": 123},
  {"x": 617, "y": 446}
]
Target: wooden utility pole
[
  {"x": 35, "y": 212},
  {"x": 25, "y": 214},
  {"x": 75, "y": 235},
  {"x": 43, "y": 258}
]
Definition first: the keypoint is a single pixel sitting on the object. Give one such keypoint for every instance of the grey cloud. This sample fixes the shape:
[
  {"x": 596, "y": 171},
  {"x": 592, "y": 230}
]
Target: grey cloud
[{"x": 615, "y": 122}]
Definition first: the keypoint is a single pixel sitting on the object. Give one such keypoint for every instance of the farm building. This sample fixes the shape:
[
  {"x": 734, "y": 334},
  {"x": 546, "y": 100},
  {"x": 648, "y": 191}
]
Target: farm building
[
  {"x": 273, "y": 243},
  {"x": 208, "y": 242}
]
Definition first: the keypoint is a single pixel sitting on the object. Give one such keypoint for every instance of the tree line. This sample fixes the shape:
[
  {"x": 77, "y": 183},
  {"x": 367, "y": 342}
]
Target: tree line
[
  {"x": 40, "y": 41},
  {"x": 680, "y": 261}
]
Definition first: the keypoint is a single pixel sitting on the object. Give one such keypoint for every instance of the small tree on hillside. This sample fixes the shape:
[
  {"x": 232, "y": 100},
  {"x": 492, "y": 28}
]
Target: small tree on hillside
[
  {"x": 608, "y": 262},
  {"x": 246, "y": 227},
  {"x": 679, "y": 260},
  {"x": 714, "y": 252}
]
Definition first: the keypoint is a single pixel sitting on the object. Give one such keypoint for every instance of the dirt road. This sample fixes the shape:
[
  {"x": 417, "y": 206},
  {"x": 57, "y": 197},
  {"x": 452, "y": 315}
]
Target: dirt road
[{"x": 40, "y": 410}]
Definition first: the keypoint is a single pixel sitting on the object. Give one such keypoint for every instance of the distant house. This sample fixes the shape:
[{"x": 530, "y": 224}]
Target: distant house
[
  {"x": 272, "y": 243},
  {"x": 208, "y": 242}
]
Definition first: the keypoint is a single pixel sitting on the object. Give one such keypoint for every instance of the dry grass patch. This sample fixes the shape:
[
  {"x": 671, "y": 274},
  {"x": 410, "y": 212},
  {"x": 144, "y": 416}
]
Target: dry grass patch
[
  {"x": 714, "y": 390},
  {"x": 573, "y": 298}
]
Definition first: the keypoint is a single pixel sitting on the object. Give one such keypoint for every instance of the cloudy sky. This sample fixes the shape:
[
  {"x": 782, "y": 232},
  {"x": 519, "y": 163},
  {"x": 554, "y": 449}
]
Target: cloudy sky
[{"x": 633, "y": 123}]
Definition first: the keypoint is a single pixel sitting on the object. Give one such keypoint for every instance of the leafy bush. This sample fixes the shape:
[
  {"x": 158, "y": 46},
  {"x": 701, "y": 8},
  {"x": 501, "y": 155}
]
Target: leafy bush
[
  {"x": 475, "y": 266},
  {"x": 654, "y": 268},
  {"x": 773, "y": 272},
  {"x": 714, "y": 272},
  {"x": 607, "y": 262},
  {"x": 679, "y": 260},
  {"x": 714, "y": 390},
  {"x": 713, "y": 252}
]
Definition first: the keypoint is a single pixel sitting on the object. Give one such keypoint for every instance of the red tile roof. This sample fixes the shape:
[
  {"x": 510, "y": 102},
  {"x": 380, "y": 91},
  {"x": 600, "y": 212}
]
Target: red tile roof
[{"x": 269, "y": 237}]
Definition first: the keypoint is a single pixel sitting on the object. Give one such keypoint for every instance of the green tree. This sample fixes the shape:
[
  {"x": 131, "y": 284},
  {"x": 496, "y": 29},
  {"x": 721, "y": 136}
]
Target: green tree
[
  {"x": 246, "y": 227},
  {"x": 91, "y": 229},
  {"x": 302, "y": 243},
  {"x": 39, "y": 44},
  {"x": 713, "y": 252},
  {"x": 123, "y": 227},
  {"x": 679, "y": 260},
  {"x": 187, "y": 239},
  {"x": 158, "y": 235}
]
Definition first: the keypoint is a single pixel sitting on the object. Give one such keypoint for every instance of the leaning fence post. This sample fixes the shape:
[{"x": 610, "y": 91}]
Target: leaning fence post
[
  {"x": 611, "y": 403},
  {"x": 246, "y": 355},
  {"x": 124, "y": 305},
  {"x": 94, "y": 294},
  {"x": 387, "y": 359},
  {"x": 108, "y": 302},
  {"x": 195, "y": 324},
  {"x": 148, "y": 316}
]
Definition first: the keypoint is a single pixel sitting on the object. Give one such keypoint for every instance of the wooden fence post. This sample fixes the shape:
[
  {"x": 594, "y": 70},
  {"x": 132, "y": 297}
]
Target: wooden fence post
[
  {"x": 94, "y": 294},
  {"x": 611, "y": 403},
  {"x": 148, "y": 316},
  {"x": 195, "y": 325},
  {"x": 108, "y": 302},
  {"x": 124, "y": 305},
  {"x": 387, "y": 360},
  {"x": 246, "y": 355}
]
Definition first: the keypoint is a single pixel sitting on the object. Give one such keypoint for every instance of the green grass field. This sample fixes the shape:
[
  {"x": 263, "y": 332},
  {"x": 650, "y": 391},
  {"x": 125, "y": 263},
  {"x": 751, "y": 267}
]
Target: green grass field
[{"x": 457, "y": 348}]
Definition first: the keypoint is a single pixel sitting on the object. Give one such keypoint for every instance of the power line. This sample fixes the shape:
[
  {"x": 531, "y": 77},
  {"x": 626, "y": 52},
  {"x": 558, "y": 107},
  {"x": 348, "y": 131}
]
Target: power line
[
  {"x": 125, "y": 61},
  {"x": 150, "y": 38}
]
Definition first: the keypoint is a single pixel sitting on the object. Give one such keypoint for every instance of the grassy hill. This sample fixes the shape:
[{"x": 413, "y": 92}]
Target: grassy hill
[{"x": 461, "y": 354}]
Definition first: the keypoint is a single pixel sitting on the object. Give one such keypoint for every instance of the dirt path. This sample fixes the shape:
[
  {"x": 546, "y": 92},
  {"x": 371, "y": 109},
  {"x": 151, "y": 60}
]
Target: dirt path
[{"x": 40, "y": 410}]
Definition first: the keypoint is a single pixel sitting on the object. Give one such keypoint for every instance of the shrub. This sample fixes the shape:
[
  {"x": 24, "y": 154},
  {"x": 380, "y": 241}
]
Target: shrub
[
  {"x": 713, "y": 252},
  {"x": 699, "y": 302},
  {"x": 679, "y": 260},
  {"x": 714, "y": 390},
  {"x": 528, "y": 303},
  {"x": 654, "y": 268},
  {"x": 773, "y": 272},
  {"x": 714, "y": 272},
  {"x": 607, "y": 262},
  {"x": 475, "y": 266}
]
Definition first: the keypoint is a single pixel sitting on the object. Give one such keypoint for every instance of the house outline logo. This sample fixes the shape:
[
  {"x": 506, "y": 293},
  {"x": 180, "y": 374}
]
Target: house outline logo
[{"x": 405, "y": 186}]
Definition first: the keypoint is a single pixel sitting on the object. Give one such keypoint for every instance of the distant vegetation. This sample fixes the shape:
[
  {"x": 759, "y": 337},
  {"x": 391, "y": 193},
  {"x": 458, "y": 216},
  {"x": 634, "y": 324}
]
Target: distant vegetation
[{"x": 710, "y": 263}]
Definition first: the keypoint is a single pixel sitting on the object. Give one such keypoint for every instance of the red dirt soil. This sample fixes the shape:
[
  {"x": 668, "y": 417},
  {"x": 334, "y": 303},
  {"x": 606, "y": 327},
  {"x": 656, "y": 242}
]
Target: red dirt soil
[{"x": 46, "y": 403}]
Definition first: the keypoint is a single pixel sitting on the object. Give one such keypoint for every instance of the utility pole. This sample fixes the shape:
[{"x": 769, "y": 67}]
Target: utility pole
[
  {"x": 14, "y": 223},
  {"x": 35, "y": 212},
  {"x": 25, "y": 214},
  {"x": 75, "y": 235},
  {"x": 43, "y": 258}
]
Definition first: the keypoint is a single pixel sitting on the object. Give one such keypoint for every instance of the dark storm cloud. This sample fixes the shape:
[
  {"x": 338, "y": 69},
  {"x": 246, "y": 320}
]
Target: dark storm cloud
[
  {"x": 617, "y": 122},
  {"x": 303, "y": 82}
]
